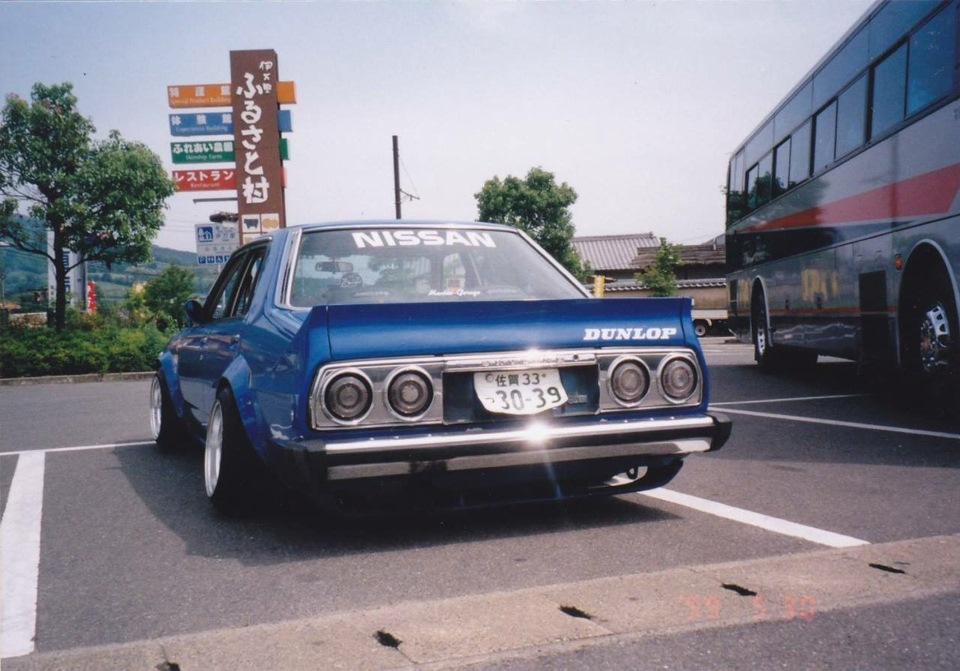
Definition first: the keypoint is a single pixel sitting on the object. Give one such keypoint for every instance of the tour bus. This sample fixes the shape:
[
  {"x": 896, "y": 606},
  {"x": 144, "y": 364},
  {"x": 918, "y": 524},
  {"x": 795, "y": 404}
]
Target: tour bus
[{"x": 843, "y": 206}]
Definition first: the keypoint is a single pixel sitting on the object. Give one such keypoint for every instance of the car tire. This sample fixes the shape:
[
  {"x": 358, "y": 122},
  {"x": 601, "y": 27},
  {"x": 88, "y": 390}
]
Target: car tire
[
  {"x": 229, "y": 462},
  {"x": 165, "y": 426}
]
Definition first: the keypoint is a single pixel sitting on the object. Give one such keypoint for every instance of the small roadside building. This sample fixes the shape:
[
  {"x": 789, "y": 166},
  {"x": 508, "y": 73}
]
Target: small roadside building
[{"x": 700, "y": 274}]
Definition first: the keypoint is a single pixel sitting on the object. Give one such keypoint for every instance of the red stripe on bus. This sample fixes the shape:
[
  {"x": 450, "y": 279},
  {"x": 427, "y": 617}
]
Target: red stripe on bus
[
  {"x": 930, "y": 193},
  {"x": 847, "y": 310}
]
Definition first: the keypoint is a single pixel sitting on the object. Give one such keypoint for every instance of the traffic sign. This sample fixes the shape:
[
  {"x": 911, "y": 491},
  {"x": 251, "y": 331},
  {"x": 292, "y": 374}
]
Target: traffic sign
[
  {"x": 189, "y": 124},
  {"x": 216, "y": 242}
]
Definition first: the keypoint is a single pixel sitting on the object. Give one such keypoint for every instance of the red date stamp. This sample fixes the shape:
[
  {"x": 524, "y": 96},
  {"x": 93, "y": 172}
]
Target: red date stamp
[{"x": 786, "y": 608}]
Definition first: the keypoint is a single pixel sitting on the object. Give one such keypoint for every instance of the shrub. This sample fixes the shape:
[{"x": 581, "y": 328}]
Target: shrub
[{"x": 87, "y": 345}]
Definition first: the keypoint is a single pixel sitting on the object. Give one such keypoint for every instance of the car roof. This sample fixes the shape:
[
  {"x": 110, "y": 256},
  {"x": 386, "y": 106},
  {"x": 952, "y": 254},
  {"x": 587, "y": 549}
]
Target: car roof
[
  {"x": 403, "y": 223},
  {"x": 281, "y": 233}
]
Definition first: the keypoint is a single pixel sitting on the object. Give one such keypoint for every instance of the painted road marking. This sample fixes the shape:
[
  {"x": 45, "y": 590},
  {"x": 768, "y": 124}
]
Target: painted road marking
[
  {"x": 20, "y": 558},
  {"x": 81, "y": 448},
  {"x": 848, "y": 425},
  {"x": 774, "y": 524},
  {"x": 789, "y": 400}
]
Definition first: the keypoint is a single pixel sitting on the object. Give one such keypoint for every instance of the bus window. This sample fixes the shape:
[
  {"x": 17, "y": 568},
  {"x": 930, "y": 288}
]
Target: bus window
[
  {"x": 752, "y": 176},
  {"x": 800, "y": 155},
  {"x": 893, "y": 21},
  {"x": 931, "y": 62},
  {"x": 825, "y": 136},
  {"x": 781, "y": 168},
  {"x": 794, "y": 112},
  {"x": 764, "y": 179},
  {"x": 841, "y": 68},
  {"x": 889, "y": 91},
  {"x": 852, "y": 117}
]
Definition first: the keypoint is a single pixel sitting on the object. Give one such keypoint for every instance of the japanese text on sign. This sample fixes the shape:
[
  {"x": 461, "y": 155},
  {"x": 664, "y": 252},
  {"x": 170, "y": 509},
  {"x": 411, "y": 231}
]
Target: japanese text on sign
[{"x": 256, "y": 134}]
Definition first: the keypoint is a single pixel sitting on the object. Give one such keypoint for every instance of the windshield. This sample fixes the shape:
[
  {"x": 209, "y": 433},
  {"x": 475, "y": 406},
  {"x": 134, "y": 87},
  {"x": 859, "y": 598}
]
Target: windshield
[{"x": 397, "y": 265}]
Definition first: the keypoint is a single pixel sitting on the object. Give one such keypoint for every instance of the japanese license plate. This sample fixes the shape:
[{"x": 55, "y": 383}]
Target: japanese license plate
[{"x": 524, "y": 392}]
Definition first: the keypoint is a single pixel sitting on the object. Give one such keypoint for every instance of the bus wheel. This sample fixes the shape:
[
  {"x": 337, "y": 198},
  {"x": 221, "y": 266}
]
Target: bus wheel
[
  {"x": 932, "y": 340},
  {"x": 762, "y": 349}
]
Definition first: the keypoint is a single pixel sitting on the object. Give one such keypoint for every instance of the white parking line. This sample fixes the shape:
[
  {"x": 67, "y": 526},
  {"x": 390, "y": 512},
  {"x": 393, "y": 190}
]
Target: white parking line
[
  {"x": 849, "y": 425},
  {"x": 789, "y": 400},
  {"x": 20, "y": 556},
  {"x": 774, "y": 524},
  {"x": 81, "y": 448}
]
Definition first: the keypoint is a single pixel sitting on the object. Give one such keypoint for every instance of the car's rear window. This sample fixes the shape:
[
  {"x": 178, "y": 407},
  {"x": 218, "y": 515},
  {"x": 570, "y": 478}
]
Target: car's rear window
[{"x": 398, "y": 265}]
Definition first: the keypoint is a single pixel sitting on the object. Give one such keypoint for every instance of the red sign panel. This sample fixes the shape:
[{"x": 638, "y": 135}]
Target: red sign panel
[{"x": 205, "y": 180}]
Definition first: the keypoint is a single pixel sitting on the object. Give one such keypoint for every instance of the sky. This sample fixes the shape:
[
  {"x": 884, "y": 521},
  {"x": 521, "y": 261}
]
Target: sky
[{"x": 637, "y": 105}]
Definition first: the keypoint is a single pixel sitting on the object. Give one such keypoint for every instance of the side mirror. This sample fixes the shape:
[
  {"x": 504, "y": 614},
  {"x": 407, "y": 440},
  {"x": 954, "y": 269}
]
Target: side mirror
[{"x": 194, "y": 310}]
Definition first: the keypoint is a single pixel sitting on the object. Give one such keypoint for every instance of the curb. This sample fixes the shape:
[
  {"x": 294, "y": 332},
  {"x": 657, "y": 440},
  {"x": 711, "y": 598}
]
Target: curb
[
  {"x": 70, "y": 379},
  {"x": 483, "y": 630}
]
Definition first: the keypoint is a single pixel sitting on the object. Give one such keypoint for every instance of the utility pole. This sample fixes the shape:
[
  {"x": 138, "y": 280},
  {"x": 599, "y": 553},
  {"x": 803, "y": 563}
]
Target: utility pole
[{"x": 396, "y": 175}]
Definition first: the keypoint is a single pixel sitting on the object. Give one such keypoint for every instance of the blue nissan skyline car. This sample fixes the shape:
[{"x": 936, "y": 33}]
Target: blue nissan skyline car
[{"x": 456, "y": 361}]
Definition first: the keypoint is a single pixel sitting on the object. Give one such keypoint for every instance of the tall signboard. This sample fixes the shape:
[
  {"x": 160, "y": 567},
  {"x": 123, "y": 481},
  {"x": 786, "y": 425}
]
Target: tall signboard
[
  {"x": 256, "y": 138},
  {"x": 236, "y": 148}
]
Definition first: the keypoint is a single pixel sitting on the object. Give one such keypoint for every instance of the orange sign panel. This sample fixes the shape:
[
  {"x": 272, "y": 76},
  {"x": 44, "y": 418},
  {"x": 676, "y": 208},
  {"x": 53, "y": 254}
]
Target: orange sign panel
[
  {"x": 198, "y": 95},
  {"x": 218, "y": 95}
]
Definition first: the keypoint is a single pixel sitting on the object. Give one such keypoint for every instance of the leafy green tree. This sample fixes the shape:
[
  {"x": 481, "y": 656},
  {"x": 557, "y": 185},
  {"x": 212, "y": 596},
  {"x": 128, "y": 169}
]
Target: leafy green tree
[
  {"x": 165, "y": 295},
  {"x": 538, "y": 206},
  {"x": 101, "y": 199},
  {"x": 661, "y": 277}
]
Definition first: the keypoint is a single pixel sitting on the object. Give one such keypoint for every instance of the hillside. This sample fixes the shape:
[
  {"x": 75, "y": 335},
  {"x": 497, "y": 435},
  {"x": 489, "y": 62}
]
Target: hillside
[
  {"x": 23, "y": 274},
  {"x": 114, "y": 282}
]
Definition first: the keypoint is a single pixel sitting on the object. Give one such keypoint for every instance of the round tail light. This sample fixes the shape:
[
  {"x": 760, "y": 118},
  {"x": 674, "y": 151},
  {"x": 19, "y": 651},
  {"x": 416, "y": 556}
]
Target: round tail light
[
  {"x": 678, "y": 380},
  {"x": 410, "y": 393},
  {"x": 629, "y": 382},
  {"x": 348, "y": 397}
]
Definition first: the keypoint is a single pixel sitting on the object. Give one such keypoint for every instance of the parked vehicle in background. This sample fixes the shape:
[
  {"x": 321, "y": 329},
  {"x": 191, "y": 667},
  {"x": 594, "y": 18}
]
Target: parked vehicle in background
[
  {"x": 843, "y": 207},
  {"x": 710, "y": 322},
  {"x": 457, "y": 360}
]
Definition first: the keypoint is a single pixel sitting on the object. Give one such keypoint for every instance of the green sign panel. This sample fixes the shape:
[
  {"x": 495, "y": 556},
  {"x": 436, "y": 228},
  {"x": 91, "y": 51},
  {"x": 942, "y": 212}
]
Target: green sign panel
[
  {"x": 212, "y": 151},
  {"x": 209, "y": 151}
]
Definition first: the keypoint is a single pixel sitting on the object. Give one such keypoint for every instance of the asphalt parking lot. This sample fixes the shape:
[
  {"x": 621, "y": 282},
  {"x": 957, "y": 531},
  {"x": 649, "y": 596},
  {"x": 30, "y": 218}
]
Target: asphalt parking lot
[{"x": 831, "y": 513}]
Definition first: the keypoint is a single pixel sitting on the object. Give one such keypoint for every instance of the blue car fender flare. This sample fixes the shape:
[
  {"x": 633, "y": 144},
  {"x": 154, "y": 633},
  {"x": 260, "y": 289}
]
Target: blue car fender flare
[
  {"x": 238, "y": 377},
  {"x": 165, "y": 367}
]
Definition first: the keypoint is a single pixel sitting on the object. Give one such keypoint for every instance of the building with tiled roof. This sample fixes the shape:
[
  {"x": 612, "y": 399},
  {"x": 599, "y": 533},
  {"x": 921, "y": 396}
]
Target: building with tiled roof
[
  {"x": 614, "y": 255},
  {"x": 620, "y": 257}
]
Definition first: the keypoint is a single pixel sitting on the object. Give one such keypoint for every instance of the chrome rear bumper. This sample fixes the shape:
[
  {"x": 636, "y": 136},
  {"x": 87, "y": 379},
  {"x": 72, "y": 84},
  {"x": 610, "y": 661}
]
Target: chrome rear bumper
[{"x": 479, "y": 449}]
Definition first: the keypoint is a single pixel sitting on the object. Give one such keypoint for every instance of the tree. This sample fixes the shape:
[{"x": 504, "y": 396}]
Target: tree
[
  {"x": 661, "y": 277},
  {"x": 100, "y": 199},
  {"x": 538, "y": 206},
  {"x": 166, "y": 293}
]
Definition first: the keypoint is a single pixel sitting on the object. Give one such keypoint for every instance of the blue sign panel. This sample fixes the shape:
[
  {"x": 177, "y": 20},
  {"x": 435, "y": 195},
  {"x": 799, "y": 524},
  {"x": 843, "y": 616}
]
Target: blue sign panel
[{"x": 216, "y": 123}]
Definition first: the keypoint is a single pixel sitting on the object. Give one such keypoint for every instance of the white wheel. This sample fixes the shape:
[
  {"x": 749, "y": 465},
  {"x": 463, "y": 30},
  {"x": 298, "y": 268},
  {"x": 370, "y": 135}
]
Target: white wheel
[
  {"x": 232, "y": 472},
  {"x": 165, "y": 426},
  {"x": 213, "y": 450},
  {"x": 156, "y": 407}
]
